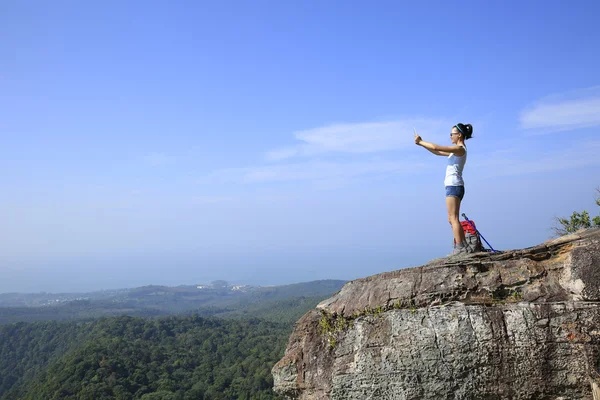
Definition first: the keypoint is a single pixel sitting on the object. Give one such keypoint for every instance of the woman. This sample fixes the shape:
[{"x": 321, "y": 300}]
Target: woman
[{"x": 455, "y": 186}]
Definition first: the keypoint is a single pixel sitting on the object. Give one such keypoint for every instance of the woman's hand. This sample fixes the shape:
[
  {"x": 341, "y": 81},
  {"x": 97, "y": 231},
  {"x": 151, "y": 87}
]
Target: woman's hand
[{"x": 417, "y": 139}]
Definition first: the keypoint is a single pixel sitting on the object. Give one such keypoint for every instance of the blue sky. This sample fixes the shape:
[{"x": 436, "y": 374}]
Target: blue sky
[{"x": 271, "y": 142}]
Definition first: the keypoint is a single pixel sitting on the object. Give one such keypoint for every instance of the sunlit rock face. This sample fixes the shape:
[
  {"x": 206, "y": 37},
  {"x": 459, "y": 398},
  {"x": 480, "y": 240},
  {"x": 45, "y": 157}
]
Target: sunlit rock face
[{"x": 521, "y": 324}]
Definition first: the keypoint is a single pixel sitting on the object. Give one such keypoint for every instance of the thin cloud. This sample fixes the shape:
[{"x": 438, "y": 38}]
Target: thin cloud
[
  {"x": 357, "y": 138},
  {"x": 310, "y": 171},
  {"x": 580, "y": 156},
  {"x": 568, "y": 111}
]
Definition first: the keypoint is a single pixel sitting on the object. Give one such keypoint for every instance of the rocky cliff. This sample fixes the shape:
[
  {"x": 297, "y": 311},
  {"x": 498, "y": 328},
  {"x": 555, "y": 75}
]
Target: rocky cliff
[{"x": 521, "y": 324}]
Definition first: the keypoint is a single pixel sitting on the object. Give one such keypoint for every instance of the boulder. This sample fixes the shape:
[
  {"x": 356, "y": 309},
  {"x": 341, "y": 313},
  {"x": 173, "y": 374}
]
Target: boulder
[{"x": 520, "y": 324}]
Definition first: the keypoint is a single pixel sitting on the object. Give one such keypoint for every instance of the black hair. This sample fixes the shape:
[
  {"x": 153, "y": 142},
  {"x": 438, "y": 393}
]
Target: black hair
[{"x": 466, "y": 130}]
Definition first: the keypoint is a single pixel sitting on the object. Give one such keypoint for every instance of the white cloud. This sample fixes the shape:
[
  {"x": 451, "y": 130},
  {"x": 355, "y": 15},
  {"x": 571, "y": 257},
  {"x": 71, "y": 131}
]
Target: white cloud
[
  {"x": 310, "y": 171},
  {"x": 583, "y": 155},
  {"x": 354, "y": 141},
  {"x": 356, "y": 138},
  {"x": 568, "y": 111}
]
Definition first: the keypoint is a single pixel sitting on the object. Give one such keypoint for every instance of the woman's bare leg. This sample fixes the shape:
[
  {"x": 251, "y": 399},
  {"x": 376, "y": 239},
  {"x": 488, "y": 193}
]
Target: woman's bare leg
[{"x": 453, "y": 206}]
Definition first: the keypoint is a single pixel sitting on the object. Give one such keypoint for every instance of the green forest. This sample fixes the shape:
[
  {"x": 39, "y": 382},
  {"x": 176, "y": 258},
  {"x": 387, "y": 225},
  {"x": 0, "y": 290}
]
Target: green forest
[
  {"x": 224, "y": 350},
  {"x": 136, "y": 358}
]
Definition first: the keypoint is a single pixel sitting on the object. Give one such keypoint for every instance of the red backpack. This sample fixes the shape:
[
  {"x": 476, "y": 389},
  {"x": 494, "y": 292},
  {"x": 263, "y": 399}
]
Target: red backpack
[
  {"x": 471, "y": 235},
  {"x": 468, "y": 228}
]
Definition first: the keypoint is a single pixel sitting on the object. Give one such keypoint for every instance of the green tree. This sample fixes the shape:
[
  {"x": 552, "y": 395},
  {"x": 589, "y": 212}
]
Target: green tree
[
  {"x": 115, "y": 358},
  {"x": 577, "y": 221}
]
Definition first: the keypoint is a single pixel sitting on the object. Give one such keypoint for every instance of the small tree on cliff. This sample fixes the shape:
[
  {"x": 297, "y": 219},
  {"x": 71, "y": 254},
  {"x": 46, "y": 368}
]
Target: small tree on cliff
[{"x": 577, "y": 221}]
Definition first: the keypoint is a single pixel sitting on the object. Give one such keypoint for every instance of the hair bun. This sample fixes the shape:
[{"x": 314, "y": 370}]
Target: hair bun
[{"x": 468, "y": 130}]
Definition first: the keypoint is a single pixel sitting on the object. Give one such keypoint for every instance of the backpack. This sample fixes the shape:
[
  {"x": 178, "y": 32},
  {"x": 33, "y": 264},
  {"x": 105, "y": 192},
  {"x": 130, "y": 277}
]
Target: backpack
[{"x": 471, "y": 236}]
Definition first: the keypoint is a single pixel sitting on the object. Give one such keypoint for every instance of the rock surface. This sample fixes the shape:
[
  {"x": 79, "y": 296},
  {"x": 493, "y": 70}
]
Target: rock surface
[{"x": 522, "y": 324}]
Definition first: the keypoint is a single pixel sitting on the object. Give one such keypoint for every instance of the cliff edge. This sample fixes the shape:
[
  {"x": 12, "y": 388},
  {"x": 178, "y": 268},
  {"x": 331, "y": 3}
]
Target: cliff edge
[{"x": 521, "y": 324}]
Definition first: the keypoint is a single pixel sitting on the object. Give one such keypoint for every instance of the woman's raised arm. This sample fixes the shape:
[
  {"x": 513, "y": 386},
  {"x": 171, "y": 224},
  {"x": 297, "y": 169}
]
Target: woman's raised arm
[{"x": 440, "y": 150}]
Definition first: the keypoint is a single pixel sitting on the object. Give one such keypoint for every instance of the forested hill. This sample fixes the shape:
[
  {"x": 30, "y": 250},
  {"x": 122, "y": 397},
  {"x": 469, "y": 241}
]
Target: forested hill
[
  {"x": 192, "y": 355},
  {"x": 136, "y": 358},
  {"x": 149, "y": 301}
]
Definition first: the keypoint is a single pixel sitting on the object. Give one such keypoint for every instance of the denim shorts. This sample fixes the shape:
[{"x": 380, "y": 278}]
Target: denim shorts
[{"x": 455, "y": 191}]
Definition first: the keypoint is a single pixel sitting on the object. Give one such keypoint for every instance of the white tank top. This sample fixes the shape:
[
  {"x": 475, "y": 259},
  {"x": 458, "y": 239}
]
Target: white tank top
[{"x": 454, "y": 169}]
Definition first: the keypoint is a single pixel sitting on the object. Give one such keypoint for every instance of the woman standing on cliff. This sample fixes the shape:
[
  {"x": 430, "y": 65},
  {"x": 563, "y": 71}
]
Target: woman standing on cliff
[{"x": 455, "y": 186}]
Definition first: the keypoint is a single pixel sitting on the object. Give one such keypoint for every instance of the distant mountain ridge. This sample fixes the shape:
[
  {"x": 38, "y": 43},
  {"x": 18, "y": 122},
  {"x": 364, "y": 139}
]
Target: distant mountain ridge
[
  {"x": 19, "y": 299},
  {"x": 153, "y": 300}
]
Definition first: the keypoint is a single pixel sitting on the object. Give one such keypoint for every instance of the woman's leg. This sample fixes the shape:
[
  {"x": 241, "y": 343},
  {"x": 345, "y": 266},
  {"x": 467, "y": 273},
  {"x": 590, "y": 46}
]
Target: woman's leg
[{"x": 453, "y": 206}]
